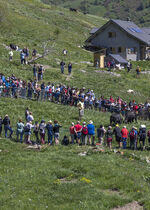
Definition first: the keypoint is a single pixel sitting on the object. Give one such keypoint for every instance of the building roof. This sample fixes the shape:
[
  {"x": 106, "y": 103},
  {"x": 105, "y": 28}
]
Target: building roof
[
  {"x": 147, "y": 30},
  {"x": 129, "y": 27},
  {"x": 93, "y": 30},
  {"x": 119, "y": 59}
]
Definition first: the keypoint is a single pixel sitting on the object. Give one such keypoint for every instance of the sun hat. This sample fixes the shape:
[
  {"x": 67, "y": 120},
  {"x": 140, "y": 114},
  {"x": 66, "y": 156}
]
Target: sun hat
[
  {"x": 84, "y": 123},
  {"x": 49, "y": 121},
  {"x": 117, "y": 125},
  {"x": 90, "y": 122},
  {"x": 124, "y": 126},
  {"x": 72, "y": 123}
]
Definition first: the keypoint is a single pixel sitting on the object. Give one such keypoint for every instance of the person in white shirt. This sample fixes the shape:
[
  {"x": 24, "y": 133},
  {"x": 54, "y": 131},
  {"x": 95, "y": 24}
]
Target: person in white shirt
[
  {"x": 30, "y": 117},
  {"x": 11, "y": 55}
]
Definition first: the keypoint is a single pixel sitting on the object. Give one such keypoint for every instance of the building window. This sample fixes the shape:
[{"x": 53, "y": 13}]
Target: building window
[
  {"x": 119, "y": 50},
  {"x": 132, "y": 50},
  {"x": 111, "y": 34},
  {"x": 112, "y": 50}
]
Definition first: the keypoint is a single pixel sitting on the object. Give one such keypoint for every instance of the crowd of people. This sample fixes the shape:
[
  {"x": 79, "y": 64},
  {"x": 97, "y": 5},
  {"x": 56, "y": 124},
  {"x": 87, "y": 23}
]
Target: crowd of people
[
  {"x": 81, "y": 134},
  {"x": 66, "y": 95}
]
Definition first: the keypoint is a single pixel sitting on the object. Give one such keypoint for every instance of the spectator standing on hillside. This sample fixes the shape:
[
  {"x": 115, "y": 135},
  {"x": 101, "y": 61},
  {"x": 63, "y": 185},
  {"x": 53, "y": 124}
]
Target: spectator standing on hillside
[
  {"x": 1, "y": 122},
  {"x": 49, "y": 128},
  {"x": 78, "y": 130},
  {"x": 80, "y": 106},
  {"x": 22, "y": 57},
  {"x": 42, "y": 127},
  {"x": 20, "y": 130},
  {"x": 91, "y": 132},
  {"x": 62, "y": 66},
  {"x": 69, "y": 68},
  {"x": 35, "y": 71},
  {"x": 118, "y": 135},
  {"x": 6, "y": 122},
  {"x": 11, "y": 55},
  {"x": 72, "y": 133},
  {"x": 34, "y": 53},
  {"x": 138, "y": 70},
  {"x": 36, "y": 131},
  {"x": 100, "y": 134},
  {"x": 109, "y": 135},
  {"x": 30, "y": 117},
  {"x": 56, "y": 131},
  {"x": 64, "y": 52},
  {"x": 84, "y": 134},
  {"x": 27, "y": 132},
  {"x": 124, "y": 133},
  {"x": 133, "y": 138},
  {"x": 142, "y": 136}
]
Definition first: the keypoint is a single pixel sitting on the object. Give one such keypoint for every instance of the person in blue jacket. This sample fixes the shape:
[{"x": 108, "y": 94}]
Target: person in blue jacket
[{"x": 91, "y": 132}]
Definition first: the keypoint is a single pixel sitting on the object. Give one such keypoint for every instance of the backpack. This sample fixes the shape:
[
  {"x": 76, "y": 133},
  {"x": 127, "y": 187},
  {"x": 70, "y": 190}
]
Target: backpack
[
  {"x": 26, "y": 128},
  {"x": 132, "y": 134},
  {"x": 85, "y": 130}
]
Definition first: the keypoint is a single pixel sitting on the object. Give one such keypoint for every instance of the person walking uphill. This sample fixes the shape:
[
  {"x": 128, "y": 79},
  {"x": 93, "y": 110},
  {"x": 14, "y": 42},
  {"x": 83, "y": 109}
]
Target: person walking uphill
[
  {"x": 91, "y": 132},
  {"x": 6, "y": 122}
]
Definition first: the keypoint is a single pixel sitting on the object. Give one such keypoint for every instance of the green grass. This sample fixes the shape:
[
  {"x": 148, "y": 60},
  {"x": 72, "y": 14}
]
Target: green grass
[{"x": 32, "y": 179}]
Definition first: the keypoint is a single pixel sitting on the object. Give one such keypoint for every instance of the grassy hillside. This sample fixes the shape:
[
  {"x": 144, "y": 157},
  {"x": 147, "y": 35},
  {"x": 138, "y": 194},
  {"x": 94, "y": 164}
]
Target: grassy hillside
[
  {"x": 137, "y": 10},
  {"x": 57, "y": 177}
]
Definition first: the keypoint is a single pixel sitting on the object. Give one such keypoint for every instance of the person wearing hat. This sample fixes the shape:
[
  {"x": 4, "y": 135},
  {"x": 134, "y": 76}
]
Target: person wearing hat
[
  {"x": 72, "y": 133},
  {"x": 49, "y": 128},
  {"x": 117, "y": 132},
  {"x": 6, "y": 122},
  {"x": 27, "y": 132},
  {"x": 91, "y": 132},
  {"x": 84, "y": 134},
  {"x": 42, "y": 127},
  {"x": 142, "y": 136},
  {"x": 133, "y": 138},
  {"x": 124, "y": 133},
  {"x": 109, "y": 136}
]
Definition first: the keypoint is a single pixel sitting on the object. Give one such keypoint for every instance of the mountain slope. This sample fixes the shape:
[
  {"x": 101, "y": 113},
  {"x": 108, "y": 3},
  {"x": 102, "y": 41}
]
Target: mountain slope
[{"x": 137, "y": 10}]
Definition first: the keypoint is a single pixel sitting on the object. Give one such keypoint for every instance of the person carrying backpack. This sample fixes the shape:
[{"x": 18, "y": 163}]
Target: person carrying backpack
[
  {"x": 142, "y": 136},
  {"x": 84, "y": 134},
  {"x": 20, "y": 130},
  {"x": 133, "y": 138}
]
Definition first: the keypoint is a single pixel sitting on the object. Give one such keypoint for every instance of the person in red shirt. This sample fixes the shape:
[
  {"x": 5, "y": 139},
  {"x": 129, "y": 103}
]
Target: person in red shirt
[
  {"x": 72, "y": 132},
  {"x": 124, "y": 133},
  {"x": 78, "y": 130}
]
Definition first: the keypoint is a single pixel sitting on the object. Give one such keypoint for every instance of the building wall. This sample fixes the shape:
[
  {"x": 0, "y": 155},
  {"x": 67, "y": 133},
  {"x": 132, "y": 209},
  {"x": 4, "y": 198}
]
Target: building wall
[{"x": 122, "y": 39}]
